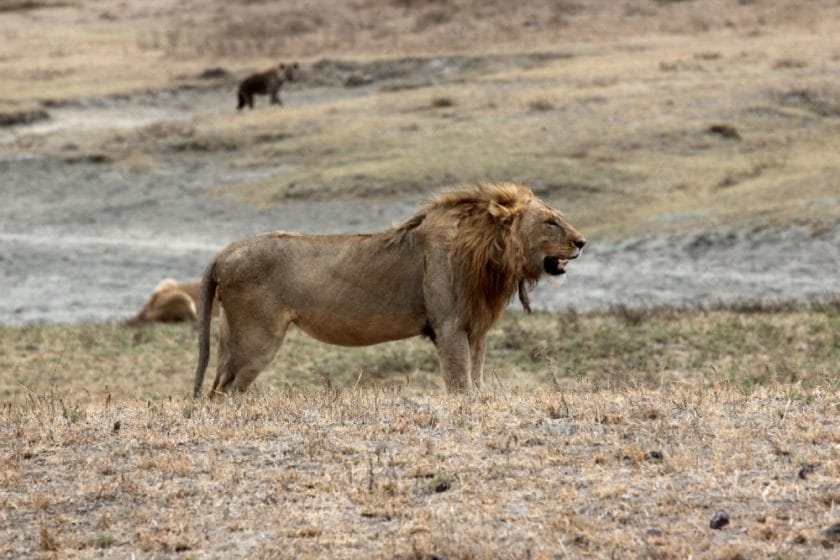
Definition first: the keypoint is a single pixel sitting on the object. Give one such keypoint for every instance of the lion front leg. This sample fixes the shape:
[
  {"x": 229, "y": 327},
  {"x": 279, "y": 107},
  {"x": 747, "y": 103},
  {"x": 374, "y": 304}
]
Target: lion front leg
[
  {"x": 454, "y": 353},
  {"x": 477, "y": 359}
]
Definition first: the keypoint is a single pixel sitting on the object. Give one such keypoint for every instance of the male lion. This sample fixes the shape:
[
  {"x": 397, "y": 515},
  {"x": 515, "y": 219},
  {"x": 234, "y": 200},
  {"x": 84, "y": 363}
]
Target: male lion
[
  {"x": 446, "y": 273},
  {"x": 170, "y": 302},
  {"x": 266, "y": 83}
]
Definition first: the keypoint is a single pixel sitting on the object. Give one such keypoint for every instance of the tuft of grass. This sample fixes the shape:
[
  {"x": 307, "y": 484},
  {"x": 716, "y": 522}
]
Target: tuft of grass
[
  {"x": 46, "y": 540},
  {"x": 102, "y": 540}
]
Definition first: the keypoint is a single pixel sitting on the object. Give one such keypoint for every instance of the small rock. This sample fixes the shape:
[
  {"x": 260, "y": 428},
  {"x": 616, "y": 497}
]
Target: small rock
[
  {"x": 720, "y": 520},
  {"x": 832, "y": 534},
  {"x": 654, "y": 456},
  {"x": 725, "y": 130},
  {"x": 443, "y": 486},
  {"x": 356, "y": 80},
  {"x": 117, "y": 426},
  {"x": 799, "y": 539},
  {"x": 806, "y": 470},
  {"x": 654, "y": 532}
]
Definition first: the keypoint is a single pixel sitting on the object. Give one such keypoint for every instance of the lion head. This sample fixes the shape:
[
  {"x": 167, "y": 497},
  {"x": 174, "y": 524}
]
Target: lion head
[{"x": 502, "y": 239}]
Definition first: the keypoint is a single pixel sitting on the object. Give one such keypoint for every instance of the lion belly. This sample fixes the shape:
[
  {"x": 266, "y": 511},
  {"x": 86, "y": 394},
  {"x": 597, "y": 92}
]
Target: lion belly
[
  {"x": 360, "y": 330},
  {"x": 354, "y": 307}
]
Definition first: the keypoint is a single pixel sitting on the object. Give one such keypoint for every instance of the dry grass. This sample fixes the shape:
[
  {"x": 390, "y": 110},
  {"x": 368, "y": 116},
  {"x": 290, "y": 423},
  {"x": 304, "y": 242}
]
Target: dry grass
[
  {"x": 350, "y": 473},
  {"x": 613, "y": 434}
]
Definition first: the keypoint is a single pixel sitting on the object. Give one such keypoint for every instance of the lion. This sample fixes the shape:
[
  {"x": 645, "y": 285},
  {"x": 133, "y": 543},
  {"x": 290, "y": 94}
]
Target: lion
[
  {"x": 266, "y": 83},
  {"x": 447, "y": 273},
  {"x": 170, "y": 302}
]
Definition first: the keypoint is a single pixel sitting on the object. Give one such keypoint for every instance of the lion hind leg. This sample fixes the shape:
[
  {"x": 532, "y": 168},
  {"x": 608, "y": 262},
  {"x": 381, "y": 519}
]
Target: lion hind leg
[{"x": 244, "y": 353}]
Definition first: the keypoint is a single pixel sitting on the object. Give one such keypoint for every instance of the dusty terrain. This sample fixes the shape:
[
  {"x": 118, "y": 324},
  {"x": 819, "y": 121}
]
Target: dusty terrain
[{"x": 624, "y": 473}]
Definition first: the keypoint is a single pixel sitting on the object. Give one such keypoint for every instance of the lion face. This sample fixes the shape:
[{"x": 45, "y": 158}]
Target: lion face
[
  {"x": 289, "y": 72},
  {"x": 551, "y": 241}
]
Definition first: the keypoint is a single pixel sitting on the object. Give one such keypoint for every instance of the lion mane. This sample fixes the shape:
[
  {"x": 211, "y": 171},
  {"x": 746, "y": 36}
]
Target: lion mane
[
  {"x": 487, "y": 255},
  {"x": 447, "y": 272}
]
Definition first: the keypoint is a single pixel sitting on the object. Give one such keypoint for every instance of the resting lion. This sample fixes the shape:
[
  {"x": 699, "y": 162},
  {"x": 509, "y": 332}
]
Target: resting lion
[
  {"x": 170, "y": 302},
  {"x": 266, "y": 83},
  {"x": 447, "y": 273}
]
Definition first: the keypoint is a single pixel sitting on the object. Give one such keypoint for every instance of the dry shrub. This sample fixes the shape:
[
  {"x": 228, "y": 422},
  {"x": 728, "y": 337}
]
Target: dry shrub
[
  {"x": 26, "y": 5},
  {"x": 540, "y": 104},
  {"x": 22, "y": 116},
  {"x": 441, "y": 102},
  {"x": 433, "y": 17},
  {"x": 784, "y": 63}
]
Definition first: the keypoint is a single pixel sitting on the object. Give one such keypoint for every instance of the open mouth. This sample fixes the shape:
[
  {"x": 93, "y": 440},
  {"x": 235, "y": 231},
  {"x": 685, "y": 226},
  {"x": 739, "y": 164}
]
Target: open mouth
[{"x": 555, "y": 265}]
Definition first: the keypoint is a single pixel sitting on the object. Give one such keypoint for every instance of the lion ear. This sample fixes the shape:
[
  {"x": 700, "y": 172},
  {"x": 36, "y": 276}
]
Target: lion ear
[{"x": 505, "y": 212}]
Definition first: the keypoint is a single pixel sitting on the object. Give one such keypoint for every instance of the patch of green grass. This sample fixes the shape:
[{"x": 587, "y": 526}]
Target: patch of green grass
[
  {"x": 102, "y": 541},
  {"x": 745, "y": 347}
]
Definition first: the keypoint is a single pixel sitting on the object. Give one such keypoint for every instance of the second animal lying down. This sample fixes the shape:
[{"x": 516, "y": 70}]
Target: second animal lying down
[
  {"x": 170, "y": 302},
  {"x": 447, "y": 273}
]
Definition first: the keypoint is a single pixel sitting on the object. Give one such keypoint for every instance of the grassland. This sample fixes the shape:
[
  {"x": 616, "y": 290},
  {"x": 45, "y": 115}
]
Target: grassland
[
  {"x": 621, "y": 433},
  {"x": 614, "y": 434},
  {"x": 742, "y": 346}
]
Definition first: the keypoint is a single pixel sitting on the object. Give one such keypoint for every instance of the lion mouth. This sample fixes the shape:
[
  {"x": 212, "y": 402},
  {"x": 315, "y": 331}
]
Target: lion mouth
[{"x": 555, "y": 265}]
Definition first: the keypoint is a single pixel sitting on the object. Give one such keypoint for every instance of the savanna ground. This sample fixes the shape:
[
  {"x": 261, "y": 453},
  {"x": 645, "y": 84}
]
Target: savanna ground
[{"x": 685, "y": 138}]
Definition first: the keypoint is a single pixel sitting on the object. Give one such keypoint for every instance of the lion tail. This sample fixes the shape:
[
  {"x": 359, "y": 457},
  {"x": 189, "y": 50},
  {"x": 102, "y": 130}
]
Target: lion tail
[{"x": 206, "y": 297}]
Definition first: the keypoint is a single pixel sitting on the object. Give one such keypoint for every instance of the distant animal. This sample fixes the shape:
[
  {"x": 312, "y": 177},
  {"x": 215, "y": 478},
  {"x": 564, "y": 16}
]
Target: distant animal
[
  {"x": 447, "y": 273},
  {"x": 266, "y": 83},
  {"x": 170, "y": 302}
]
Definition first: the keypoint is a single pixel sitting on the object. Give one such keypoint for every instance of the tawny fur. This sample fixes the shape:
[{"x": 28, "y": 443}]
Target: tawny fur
[
  {"x": 170, "y": 302},
  {"x": 448, "y": 272}
]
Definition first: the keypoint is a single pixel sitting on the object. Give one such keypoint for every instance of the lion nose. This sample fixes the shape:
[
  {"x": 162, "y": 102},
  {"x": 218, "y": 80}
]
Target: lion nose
[{"x": 579, "y": 243}]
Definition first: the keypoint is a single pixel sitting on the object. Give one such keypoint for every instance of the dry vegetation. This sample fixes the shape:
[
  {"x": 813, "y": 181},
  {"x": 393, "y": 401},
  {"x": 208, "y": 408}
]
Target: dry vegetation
[
  {"x": 619, "y": 472},
  {"x": 618, "y": 434}
]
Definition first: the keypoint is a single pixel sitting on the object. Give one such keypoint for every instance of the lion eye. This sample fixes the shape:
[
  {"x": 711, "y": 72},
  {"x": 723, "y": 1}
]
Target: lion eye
[{"x": 554, "y": 223}]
